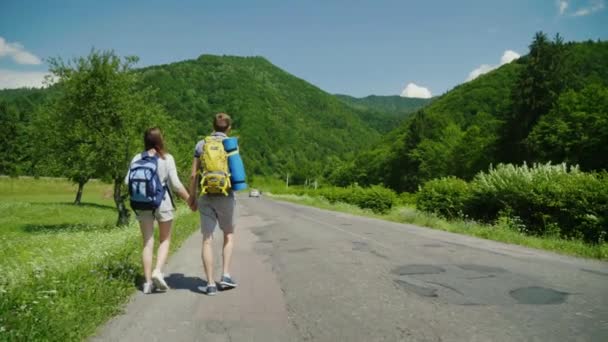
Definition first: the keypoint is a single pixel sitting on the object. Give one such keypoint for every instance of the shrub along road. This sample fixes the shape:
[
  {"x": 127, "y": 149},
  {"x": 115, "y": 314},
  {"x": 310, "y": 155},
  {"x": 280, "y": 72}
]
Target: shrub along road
[{"x": 311, "y": 274}]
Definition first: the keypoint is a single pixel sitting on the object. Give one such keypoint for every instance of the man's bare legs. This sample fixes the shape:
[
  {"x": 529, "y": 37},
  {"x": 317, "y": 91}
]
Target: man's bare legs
[{"x": 207, "y": 255}]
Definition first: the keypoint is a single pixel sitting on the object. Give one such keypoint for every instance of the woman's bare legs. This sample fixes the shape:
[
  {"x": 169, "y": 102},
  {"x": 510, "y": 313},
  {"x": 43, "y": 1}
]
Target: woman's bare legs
[
  {"x": 147, "y": 233},
  {"x": 165, "y": 241}
]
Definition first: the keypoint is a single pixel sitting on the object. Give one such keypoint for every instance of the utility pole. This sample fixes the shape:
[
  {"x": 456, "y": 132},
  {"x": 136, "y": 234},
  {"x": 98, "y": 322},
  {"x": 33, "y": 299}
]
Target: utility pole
[
  {"x": 315, "y": 184},
  {"x": 287, "y": 180}
]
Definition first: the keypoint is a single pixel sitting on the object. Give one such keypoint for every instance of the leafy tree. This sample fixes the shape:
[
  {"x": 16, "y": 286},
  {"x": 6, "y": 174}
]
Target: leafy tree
[
  {"x": 10, "y": 149},
  {"x": 99, "y": 118},
  {"x": 576, "y": 130},
  {"x": 435, "y": 156},
  {"x": 536, "y": 90}
]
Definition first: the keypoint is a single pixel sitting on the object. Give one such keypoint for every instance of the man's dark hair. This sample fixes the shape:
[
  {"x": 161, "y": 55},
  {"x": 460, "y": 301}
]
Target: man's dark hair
[{"x": 222, "y": 122}]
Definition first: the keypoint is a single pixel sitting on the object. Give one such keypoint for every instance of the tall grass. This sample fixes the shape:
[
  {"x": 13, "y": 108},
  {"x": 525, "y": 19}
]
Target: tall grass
[{"x": 65, "y": 269}]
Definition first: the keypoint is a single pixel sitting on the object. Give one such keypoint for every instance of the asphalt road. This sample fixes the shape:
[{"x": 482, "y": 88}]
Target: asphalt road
[{"x": 307, "y": 274}]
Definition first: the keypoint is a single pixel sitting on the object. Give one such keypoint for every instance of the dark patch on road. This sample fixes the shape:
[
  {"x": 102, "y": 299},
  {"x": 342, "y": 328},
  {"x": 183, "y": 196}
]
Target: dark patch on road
[
  {"x": 446, "y": 286},
  {"x": 346, "y": 224},
  {"x": 265, "y": 241},
  {"x": 284, "y": 239},
  {"x": 379, "y": 255},
  {"x": 259, "y": 232},
  {"x": 215, "y": 327},
  {"x": 482, "y": 277},
  {"x": 360, "y": 246},
  {"x": 536, "y": 295},
  {"x": 595, "y": 272},
  {"x": 482, "y": 268},
  {"x": 419, "y": 290},
  {"x": 433, "y": 245},
  {"x": 417, "y": 269},
  {"x": 476, "y": 248},
  {"x": 300, "y": 250}
]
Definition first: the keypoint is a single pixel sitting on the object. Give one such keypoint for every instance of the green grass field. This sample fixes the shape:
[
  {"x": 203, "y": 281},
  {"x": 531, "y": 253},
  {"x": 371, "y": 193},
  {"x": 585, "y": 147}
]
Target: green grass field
[
  {"x": 501, "y": 231},
  {"x": 65, "y": 269}
]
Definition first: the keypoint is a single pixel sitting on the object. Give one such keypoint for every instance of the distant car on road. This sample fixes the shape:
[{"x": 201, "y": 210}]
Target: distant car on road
[{"x": 254, "y": 193}]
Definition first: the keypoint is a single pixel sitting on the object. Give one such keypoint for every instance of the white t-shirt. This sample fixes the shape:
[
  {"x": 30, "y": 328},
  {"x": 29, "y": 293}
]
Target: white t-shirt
[{"x": 167, "y": 173}]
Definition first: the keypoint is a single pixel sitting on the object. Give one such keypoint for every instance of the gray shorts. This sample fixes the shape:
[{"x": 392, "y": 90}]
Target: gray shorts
[{"x": 216, "y": 210}]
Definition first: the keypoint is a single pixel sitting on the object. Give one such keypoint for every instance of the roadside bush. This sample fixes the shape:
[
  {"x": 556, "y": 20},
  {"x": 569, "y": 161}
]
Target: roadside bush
[
  {"x": 376, "y": 198},
  {"x": 445, "y": 197},
  {"x": 407, "y": 199},
  {"x": 548, "y": 199}
]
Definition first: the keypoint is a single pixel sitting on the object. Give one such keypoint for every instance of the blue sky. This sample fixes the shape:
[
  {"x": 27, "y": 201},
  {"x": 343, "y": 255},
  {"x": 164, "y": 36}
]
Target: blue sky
[{"x": 350, "y": 47}]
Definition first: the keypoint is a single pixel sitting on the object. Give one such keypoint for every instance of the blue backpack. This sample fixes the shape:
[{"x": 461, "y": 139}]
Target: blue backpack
[{"x": 145, "y": 188}]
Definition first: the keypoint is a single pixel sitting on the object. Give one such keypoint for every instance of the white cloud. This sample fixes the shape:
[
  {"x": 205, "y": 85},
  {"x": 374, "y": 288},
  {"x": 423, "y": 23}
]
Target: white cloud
[
  {"x": 562, "y": 5},
  {"x": 592, "y": 7},
  {"x": 20, "y": 79},
  {"x": 482, "y": 69},
  {"x": 18, "y": 53},
  {"x": 414, "y": 90},
  {"x": 595, "y": 6},
  {"x": 507, "y": 57}
]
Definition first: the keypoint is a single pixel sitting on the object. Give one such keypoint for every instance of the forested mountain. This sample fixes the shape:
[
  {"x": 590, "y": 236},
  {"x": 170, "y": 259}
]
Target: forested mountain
[
  {"x": 550, "y": 105},
  {"x": 284, "y": 123},
  {"x": 394, "y": 105}
]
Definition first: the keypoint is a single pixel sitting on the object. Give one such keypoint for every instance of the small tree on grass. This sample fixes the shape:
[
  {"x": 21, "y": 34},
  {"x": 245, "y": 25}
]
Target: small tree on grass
[{"x": 99, "y": 118}]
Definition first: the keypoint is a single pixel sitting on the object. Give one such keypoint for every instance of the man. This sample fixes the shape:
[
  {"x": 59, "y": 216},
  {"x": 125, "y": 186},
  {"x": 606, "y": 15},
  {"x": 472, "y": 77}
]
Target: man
[{"x": 214, "y": 209}]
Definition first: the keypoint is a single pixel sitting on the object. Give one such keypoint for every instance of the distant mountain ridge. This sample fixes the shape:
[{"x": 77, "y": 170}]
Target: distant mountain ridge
[{"x": 391, "y": 104}]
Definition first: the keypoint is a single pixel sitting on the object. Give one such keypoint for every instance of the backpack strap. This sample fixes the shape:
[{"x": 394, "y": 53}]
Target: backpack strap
[{"x": 170, "y": 196}]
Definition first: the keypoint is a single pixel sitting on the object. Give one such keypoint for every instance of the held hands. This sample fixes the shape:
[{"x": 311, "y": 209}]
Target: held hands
[{"x": 192, "y": 203}]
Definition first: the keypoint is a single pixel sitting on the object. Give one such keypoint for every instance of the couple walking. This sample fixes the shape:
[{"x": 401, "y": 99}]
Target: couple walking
[{"x": 214, "y": 209}]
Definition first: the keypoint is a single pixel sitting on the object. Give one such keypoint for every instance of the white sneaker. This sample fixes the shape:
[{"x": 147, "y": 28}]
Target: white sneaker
[
  {"x": 159, "y": 281},
  {"x": 148, "y": 288}
]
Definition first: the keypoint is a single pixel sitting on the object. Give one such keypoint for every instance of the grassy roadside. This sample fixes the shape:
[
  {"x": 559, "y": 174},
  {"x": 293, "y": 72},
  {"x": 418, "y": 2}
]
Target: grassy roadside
[
  {"x": 66, "y": 269},
  {"x": 503, "y": 231}
]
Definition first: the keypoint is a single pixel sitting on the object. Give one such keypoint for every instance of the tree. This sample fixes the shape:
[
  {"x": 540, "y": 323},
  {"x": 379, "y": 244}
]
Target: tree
[
  {"x": 576, "y": 130},
  {"x": 99, "y": 118},
  {"x": 10, "y": 149},
  {"x": 536, "y": 90},
  {"x": 435, "y": 156}
]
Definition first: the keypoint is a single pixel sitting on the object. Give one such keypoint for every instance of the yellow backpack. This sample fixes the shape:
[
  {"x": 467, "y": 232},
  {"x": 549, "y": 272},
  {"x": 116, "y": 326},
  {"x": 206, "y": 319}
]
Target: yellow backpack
[{"x": 215, "y": 177}]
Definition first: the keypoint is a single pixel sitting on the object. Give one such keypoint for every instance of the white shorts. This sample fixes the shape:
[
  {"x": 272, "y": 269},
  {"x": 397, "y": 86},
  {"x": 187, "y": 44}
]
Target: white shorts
[
  {"x": 149, "y": 215},
  {"x": 217, "y": 209}
]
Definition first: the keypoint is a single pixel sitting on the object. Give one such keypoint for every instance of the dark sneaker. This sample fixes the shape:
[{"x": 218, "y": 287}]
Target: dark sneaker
[
  {"x": 210, "y": 290},
  {"x": 227, "y": 282}
]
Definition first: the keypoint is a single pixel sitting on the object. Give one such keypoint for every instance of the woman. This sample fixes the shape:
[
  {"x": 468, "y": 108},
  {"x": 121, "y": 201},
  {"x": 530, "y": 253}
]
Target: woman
[{"x": 154, "y": 145}]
